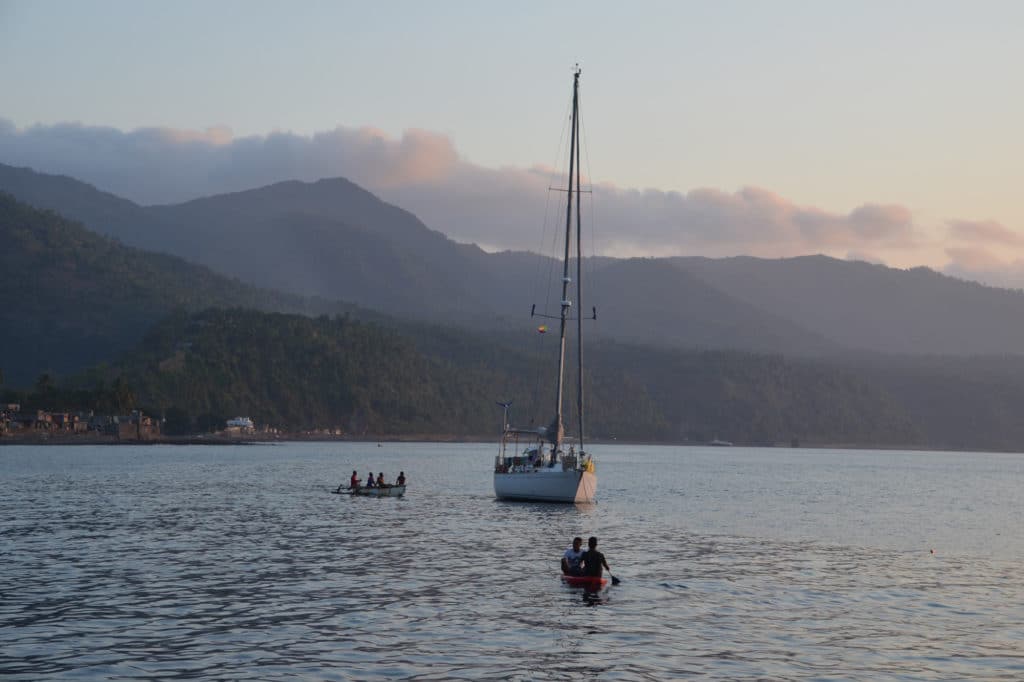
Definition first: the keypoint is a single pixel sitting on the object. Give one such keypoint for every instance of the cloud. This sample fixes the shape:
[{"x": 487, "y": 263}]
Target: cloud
[
  {"x": 500, "y": 208},
  {"x": 163, "y": 165},
  {"x": 980, "y": 265},
  {"x": 217, "y": 135},
  {"x": 985, "y": 231},
  {"x": 865, "y": 257},
  {"x": 977, "y": 259},
  {"x": 985, "y": 251}
]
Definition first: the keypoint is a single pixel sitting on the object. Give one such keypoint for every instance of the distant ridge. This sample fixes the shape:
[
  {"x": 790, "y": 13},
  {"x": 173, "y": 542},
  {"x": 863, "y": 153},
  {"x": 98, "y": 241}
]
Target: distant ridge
[
  {"x": 334, "y": 240},
  {"x": 866, "y": 306},
  {"x": 73, "y": 298}
]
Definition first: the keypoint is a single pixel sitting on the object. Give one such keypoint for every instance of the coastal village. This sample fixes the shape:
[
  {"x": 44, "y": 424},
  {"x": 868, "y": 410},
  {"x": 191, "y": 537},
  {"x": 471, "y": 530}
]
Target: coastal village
[{"x": 136, "y": 426}]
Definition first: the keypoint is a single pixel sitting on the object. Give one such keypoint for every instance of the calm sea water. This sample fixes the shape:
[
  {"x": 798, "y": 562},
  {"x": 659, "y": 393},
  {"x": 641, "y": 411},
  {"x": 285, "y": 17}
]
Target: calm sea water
[{"x": 227, "y": 563}]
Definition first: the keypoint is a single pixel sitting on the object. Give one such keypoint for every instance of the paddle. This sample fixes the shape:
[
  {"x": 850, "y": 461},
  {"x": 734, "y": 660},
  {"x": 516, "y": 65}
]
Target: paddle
[{"x": 615, "y": 581}]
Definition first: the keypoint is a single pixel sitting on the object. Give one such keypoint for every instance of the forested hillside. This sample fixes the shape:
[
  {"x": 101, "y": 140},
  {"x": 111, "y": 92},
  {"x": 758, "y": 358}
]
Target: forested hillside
[
  {"x": 765, "y": 399},
  {"x": 298, "y": 372},
  {"x": 864, "y": 306},
  {"x": 335, "y": 240},
  {"x": 76, "y": 299},
  {"x": 73, "y": 298}
]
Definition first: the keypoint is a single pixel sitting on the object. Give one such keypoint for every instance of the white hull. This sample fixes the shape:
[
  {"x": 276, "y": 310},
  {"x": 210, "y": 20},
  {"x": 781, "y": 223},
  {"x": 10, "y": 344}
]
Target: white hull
[
  {"x": 543, "y": 485},
  {"x": 388, "y": 491}
]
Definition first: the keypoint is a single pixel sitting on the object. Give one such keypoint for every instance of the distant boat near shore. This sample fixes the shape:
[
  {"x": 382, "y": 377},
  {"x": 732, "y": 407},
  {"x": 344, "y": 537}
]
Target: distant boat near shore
[
  {"x": 721, "y": 443},
  {"x": 366, "y": 491}
]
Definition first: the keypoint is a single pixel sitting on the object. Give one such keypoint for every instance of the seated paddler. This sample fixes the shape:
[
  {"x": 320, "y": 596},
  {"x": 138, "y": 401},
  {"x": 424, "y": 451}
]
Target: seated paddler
[{"x": 573, "y": 557}]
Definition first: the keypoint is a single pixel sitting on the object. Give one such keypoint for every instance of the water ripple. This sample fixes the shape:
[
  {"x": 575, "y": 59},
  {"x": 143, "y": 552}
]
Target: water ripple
[{"x": 226, "y": 564}]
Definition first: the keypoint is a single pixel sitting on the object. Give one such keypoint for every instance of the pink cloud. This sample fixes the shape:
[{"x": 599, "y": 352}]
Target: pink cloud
[
  {"x": 977, "y": 259},
  {"x": 216, "y": 135},
  {"x": 503, "y": 208},
  {"x": 986, "y": 231},
  {"x": 981, "y": 265}
]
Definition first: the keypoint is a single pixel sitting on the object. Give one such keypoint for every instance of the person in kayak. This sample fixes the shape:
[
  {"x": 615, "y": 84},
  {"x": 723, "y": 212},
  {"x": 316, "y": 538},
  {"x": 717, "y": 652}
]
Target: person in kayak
[
  {"x": 369, "y": 480},
  {"x": 354, "y": 481},
  {"x": 401, "y": 478},
  {"x": 571, "y": 560},
  {"x": 593, "y": 561}
]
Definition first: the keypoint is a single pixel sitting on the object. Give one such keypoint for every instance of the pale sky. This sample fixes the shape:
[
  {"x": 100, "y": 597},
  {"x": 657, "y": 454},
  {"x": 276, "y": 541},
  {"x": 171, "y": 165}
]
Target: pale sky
[{"x": 912, "y": 107}]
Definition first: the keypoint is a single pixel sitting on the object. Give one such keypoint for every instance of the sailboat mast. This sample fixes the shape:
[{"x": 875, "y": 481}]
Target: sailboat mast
[
  {"x": 579, "y": 287},
  {"x": 566, "y": 303}
]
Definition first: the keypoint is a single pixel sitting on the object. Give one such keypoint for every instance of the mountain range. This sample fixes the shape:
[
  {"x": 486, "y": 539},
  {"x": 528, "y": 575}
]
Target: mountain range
[
  {"x": 332, "y": 239},
  {"x": 756, "y": 350},
  {"x": 73, "y": 298}
]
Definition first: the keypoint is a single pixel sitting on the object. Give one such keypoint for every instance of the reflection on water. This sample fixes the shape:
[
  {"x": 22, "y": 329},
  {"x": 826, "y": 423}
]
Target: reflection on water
[{"x": 228, "y": 563}]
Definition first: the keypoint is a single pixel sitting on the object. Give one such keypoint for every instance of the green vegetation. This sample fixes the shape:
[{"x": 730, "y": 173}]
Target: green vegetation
[
  {"x": 73, "y": 298},
  {"x": 144, "y": 323},
  {"x": 749, "y": 398},
  {"x": 115, "y": 398},
  {"x": 301, "y": 373}
]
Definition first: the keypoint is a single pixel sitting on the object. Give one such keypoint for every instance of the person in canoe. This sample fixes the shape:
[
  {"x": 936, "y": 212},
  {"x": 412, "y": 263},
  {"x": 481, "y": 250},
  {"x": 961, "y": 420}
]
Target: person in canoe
[
  {"x": 354, "y": 481},
  {"x": 369, "y": 480},
  {"x": 380, "y": 481},
  {"x": 573, "y": 557},
  {"x": 401, "y": 478},
  {"x": 594, "y": 561}
]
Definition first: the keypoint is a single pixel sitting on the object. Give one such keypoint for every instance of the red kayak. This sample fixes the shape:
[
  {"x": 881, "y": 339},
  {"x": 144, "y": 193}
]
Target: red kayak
[{"x": 592, "y": 582}]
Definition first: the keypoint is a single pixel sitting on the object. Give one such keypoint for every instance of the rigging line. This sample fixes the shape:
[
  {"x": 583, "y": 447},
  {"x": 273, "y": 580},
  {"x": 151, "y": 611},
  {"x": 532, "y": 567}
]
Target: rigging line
[
  {"x": 535, "y": 284},
  {"x": 588, "y": 265},
  {"x": 541, "y": 260},
  {"x": 591, "y": 227}
]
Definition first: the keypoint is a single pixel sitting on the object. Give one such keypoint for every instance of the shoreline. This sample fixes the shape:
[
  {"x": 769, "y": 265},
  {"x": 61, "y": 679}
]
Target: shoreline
[
  {"x": 214, "y": 439},
  {"x": 45, "y": 439}
]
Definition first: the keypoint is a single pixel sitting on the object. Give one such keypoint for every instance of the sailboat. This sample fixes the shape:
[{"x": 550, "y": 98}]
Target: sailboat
[{"x": 541, "y": 464}]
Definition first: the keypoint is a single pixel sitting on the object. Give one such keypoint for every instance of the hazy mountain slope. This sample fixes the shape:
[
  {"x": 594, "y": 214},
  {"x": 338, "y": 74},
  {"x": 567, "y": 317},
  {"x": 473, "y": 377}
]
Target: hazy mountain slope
[
  {"x": 960, "y": 403},
  {"x": 335, "y": 240},
  {"x": 100, "y": 211},
  {"x": 329, "y": 238},
  {"x": 867, "y": 306},
  {"x": 650, "y": 301},
  {"x": 73, "y": 298},
  {"x": 765, "y": 399}
]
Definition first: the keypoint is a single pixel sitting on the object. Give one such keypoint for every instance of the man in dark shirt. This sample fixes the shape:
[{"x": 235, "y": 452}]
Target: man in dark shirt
[{"x": 593, "y": 560}]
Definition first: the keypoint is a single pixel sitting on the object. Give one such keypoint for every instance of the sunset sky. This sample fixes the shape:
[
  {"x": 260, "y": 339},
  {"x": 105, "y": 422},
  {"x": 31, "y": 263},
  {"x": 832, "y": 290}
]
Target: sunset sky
[{"x": 884, "y": 131}]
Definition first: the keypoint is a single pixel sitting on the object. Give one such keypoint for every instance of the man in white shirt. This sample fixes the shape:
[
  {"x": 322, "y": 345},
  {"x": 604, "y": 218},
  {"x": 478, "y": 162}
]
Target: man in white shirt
[{"x": 572, "y": 557}]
